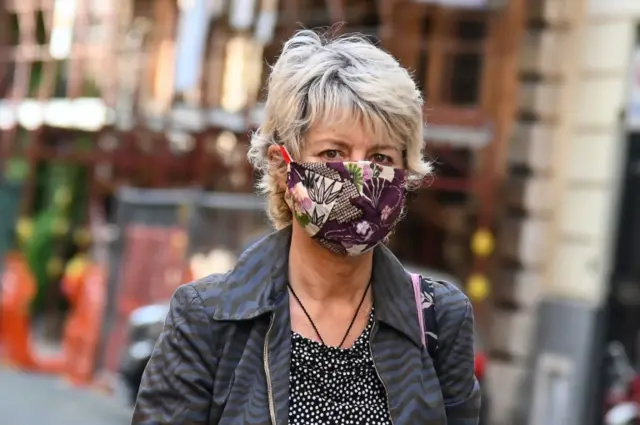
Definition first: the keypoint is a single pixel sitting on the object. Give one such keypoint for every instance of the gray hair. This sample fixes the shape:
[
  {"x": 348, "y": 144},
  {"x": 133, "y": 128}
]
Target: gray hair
[{"x": 316, "y": 79}]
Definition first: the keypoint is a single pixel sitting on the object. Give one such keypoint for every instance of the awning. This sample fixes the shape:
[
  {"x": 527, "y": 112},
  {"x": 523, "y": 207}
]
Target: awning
[
  {"x": 444, "y": 125},
  {"x": 88, "y": 114}
]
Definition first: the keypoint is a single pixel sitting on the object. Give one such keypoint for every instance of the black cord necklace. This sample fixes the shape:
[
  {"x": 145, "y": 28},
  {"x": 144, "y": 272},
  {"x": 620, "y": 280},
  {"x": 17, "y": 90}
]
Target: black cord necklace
[{"x": 353, "y": 320}]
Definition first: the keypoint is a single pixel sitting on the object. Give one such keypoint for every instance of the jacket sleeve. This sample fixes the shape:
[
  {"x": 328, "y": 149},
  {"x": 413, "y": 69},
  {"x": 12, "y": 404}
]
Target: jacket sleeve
[
  {"x": 455, "y": 360},
  {"x": 176, "y": 387}
]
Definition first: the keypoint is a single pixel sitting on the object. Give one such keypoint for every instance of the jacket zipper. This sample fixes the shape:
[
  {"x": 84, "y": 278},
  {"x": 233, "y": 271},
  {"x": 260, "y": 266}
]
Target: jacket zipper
[
  {"x": 386, "y": 391},
  {"x": 272, "y": 407}
]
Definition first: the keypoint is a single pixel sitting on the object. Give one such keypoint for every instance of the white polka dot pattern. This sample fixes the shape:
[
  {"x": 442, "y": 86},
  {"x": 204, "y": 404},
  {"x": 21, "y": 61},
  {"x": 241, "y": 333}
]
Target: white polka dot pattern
[{"x": 333, "y": 386}]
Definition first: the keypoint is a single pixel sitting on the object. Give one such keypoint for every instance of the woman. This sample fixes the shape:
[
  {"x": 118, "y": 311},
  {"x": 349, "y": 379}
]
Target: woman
[{"x": 317, "y": 323}]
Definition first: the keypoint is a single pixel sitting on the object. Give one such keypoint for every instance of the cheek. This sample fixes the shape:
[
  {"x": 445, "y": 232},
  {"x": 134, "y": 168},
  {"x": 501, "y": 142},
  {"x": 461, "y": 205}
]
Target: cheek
[{"x": 399, "y": 160}]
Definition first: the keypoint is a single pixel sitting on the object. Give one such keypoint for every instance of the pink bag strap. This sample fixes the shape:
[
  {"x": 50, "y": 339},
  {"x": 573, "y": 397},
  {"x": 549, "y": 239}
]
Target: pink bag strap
[{"x": 416, "y": 281}]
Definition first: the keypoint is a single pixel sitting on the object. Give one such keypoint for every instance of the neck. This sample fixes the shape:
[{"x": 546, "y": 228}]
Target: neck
[{"x": 322, "y": 275}]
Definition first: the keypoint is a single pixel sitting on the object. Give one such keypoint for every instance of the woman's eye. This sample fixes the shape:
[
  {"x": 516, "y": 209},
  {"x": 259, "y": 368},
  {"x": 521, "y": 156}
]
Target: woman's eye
[
  {"x": 381, "y": 159},
  {"x": 330, "y": 154}
]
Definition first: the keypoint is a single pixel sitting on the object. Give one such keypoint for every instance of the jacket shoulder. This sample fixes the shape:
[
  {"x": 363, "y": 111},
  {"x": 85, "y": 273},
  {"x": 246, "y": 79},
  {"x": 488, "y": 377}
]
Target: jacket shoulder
[
  {"x": 452, "y": 306},
  {"x": 208, "y": 290},
  {"x": 449, "y": 293},
  {"x": 204, "y": 297}
]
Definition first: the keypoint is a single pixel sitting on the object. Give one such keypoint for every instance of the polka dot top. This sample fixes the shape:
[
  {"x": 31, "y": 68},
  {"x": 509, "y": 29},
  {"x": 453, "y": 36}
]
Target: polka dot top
[{"x": 334, "y": 386}]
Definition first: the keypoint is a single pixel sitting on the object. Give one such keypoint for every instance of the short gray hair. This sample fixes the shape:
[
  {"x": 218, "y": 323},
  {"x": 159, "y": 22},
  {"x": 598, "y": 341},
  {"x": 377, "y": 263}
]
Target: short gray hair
[{"x": 317, "y": 78}]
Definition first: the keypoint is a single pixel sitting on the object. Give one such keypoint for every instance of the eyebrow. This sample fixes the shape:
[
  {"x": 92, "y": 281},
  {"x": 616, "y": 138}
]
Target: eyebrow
[
  {"x": 336, "y": 141},
  {"x": 344, "y": 145},
  {"x": 383, "y": 146}
]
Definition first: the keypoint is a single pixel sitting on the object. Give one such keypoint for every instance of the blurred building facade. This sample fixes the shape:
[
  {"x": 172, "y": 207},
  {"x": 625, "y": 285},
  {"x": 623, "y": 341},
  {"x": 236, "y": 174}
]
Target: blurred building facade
[
  {"x": 526, "y": 126},
  {"x": 164, "y": 94},
  {"x": 565, "y": 196}
]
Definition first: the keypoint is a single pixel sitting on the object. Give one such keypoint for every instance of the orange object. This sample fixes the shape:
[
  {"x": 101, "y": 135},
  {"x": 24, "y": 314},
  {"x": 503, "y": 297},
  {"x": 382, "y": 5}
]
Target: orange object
[
  {"x": 85, "y": 287},
  {"x": 84, "y": 324},
  {"x": 74, "y": 275},
  {"x": 187, "y": 274},
  {"x": 18, "y": 289}
]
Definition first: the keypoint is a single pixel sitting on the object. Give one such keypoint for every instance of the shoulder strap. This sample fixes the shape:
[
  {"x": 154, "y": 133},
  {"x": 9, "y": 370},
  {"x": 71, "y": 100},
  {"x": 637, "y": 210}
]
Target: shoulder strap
[
  {"x": 417, "y": 290},
  {"x": 424, "y": 292}
]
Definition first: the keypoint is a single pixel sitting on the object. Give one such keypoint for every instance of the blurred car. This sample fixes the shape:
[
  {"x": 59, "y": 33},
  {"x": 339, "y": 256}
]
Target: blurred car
[
  {"x": 622, "y": 395},
  {"x": 145, "y": 326},
  {"x": 146, "y": 323}
]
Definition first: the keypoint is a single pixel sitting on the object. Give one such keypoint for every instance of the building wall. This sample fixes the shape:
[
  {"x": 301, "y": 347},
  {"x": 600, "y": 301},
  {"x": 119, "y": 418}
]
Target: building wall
[
  {"x": 627, "y": 10},
  {"x": 588, "y": 185},
  {"x": 571, "y": 146}
]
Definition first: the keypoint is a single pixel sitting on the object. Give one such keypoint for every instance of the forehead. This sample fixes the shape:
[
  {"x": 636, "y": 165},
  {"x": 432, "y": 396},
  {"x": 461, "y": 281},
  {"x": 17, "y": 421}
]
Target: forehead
[{"x": 353, "y": 132}]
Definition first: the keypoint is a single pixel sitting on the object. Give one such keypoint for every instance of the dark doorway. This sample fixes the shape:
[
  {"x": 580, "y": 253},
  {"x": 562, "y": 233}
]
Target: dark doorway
[
  {"x": 621, "y": 321},
  {"x": 624, "y": 302}
]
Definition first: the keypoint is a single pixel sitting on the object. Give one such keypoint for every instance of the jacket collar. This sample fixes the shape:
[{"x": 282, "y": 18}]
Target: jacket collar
[{"x": 258, "y": 282}]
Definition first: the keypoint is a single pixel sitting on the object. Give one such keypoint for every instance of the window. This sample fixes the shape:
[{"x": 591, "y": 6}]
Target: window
[{"x": 465, "y": 61}]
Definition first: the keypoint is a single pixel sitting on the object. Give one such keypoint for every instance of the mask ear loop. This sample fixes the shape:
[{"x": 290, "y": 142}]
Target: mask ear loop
[{"x": 285, "y": 154}]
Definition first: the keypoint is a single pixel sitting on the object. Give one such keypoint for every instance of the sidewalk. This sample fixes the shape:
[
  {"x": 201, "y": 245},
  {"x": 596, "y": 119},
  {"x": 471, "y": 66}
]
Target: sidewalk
[{"x": 29, "y": 399}]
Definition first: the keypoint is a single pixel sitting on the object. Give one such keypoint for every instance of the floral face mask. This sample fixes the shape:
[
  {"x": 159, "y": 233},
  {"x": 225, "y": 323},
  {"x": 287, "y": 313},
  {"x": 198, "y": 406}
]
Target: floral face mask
[{"x": 348, "y": 207}]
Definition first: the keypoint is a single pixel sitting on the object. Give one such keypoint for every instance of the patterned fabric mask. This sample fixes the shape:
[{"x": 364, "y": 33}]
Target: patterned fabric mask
[{"x": 348, "y": 207}]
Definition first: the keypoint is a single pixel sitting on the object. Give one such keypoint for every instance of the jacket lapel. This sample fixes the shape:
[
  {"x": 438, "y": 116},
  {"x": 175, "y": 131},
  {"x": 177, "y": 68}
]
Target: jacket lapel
[
  {"x": 258, "y": 286},
  {"x": 393, "y": 295},
  {"x": 279, "y": 339},
  {"x": 279, "y": 346},
  {"x": 399, "y": 364}
]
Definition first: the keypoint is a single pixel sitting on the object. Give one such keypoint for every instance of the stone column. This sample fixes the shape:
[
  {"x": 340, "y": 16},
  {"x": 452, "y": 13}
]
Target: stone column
[{"x": 565, "y": 158}]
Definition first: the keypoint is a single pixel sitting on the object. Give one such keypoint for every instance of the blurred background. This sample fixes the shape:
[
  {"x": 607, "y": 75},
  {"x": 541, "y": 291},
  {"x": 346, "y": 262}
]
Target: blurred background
[{"x": 124, "y": 126}]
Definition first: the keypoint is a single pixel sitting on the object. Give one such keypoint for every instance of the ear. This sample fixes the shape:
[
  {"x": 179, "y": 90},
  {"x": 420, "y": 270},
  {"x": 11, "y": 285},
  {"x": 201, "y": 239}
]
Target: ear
[
  {"x": 277, "y": 166},
  {"x": 275, "y": 156}
]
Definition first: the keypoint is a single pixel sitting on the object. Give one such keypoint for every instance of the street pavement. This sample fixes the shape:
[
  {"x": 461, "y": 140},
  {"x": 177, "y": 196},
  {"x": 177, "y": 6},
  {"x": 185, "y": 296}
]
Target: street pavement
[{"x": 30, "y": 399}]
